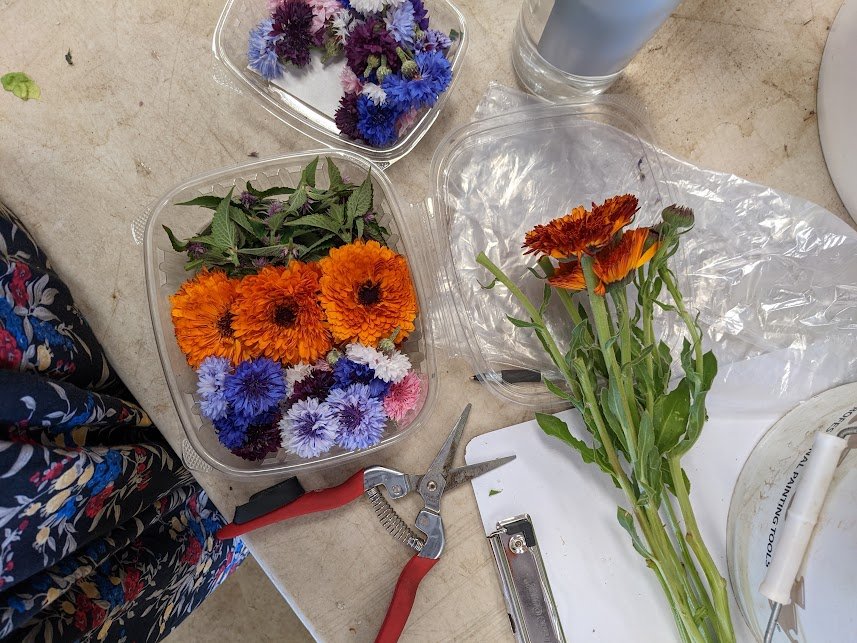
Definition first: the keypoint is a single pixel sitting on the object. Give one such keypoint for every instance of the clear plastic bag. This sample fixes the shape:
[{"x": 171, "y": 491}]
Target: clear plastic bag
[{"x": 766, "y": 271}]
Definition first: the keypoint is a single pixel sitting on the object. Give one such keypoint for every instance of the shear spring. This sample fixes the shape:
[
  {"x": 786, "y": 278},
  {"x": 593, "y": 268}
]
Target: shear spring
[{"x": 391, "y": 521}]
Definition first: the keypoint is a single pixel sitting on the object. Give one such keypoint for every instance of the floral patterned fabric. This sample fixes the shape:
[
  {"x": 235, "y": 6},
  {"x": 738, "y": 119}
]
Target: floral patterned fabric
[{"x": 104, "y": 535}]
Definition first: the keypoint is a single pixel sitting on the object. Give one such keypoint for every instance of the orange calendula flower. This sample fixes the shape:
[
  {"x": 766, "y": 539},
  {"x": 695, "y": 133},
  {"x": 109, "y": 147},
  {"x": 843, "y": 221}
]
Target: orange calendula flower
[
  {"x": 277, "y": 314},
  {"x": 366, "y": 293},
  {"x": 616, "y": 262},
  {"x": 203, "y": 315},
  {"x": 610, "y": 265},
  {"x": 582, "y": 231}
]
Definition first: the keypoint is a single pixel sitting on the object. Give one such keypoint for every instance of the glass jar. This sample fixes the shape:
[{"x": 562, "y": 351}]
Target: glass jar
[{"x": 571, "y": 48}]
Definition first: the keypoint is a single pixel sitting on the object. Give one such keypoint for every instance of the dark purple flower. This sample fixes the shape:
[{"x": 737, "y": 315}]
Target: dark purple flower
[
  {"x": 367, "y": 39},
  {"x": 275, "y": 207},
  {"x": 420, "y": 14},
  {"x": 292, "y": 31},
  {"x": 433, "y": 40},
  {"x": 195, "y": 250},
  {"x": 317, "y": 385},
  {"x": 231, "y": 430},
  {"x": 346, "y": 116},
  {"x": 263, "y": 437},
  {"x": 247, "y": 199},
  {"x": 260, "y": 262}
]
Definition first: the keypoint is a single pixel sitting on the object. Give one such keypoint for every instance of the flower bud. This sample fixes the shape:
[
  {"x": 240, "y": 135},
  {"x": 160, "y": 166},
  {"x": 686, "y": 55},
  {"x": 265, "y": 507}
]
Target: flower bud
[
  {"x": 386, "y": 345},
  {"x": 410, "y": 69},
  {"x": 383, "y": 72},
  {"x": 333, "y": 357},
  {"x": 372, "y": 61},
  {"x": 678, "y": 216}
]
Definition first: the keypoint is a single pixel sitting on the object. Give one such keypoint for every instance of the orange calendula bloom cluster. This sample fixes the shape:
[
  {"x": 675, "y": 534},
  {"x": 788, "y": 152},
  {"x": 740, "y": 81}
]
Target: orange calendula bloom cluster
[
  {"x": 366, "y": 293},
  {"x": 203, "y": 312},
  {"x": 612, "y": 264},
  {"x": 277, "y": 313},
  {"x": 582, "y": 231}
]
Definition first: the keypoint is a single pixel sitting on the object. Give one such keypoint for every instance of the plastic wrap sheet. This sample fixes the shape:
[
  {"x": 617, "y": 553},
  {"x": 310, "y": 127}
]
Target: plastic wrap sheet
[{"x": 765, "y": 270}]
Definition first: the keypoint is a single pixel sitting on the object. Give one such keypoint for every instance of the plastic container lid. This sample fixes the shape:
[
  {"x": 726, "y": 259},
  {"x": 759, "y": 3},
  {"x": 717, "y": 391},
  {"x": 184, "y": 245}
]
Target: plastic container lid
[
  {"x": 307, "y": 100},
  {"x": 494, "y": 180}
]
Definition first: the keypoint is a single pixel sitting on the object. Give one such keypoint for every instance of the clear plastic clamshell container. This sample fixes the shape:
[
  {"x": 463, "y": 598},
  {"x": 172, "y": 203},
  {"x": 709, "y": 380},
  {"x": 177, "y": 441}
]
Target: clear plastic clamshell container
[
  {"x": 498, "y": 177},
  {"x": 492, "y": 181},
  {"x": 165, "y": 273},
  {"x": 307, "y": 99}
]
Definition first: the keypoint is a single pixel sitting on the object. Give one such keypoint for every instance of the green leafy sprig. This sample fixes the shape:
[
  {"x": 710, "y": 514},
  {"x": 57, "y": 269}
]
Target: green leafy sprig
[{"x": 274, "y": 226}]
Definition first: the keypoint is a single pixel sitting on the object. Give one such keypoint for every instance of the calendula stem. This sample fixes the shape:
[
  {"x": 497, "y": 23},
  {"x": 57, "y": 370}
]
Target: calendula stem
[
  {"x": 551, "y": 346},
  {"x": 694, "y": 539},
  {"x": 695, "y": 334},
  {"x": 620, "y": 300}
]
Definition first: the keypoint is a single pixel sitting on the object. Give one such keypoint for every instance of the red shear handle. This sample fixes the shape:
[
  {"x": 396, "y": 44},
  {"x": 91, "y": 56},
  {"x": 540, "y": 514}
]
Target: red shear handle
[
  {"x": 310, "y": 502},
  {"x": 403, "y": 598}
]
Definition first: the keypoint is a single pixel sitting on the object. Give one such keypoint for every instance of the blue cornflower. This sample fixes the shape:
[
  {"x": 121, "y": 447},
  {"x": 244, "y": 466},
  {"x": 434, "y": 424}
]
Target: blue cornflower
[
  {"x": 210, "y": 386},
  {"x": 232, "y": 430},
  {"x": 361, "y": 417},
  {"x": 309, "y": 428},
  {"x": 261, "y": 52},
  {"x": 377, "y": 123},
  {"x": 347, "y": 372},
  {"x": 400, "y": 23},
  {"x": 433, "y": 40},
  {"x": 433, "y": 76},
  {"x": 256, "y": 385}
]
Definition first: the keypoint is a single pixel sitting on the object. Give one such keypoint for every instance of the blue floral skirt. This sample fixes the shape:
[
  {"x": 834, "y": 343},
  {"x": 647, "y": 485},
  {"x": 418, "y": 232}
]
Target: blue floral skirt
[{"x": 104, "y": 535}]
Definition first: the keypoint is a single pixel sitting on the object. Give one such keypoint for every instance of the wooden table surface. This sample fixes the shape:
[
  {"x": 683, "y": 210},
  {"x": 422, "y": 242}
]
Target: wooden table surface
[{"x": 729, "y": 85}]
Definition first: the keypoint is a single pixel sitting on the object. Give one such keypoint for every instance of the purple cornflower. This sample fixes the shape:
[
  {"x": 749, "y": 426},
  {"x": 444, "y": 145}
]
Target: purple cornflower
[
  {"x": 433, "y": 40},
  {"x": 248, "y": 200},
  {"x": 400, "y": 23},
  {"x": 434, "y": 74},
  {"x": 309, "y": 428},
  {"x": 317, "y": 385},
  {"x": 195, "y": 250},
  {"x": 346, "y": 116},
  {"x": 231, "y": 431},
  {"x": 420, "y": 14},
  {"x": 347, "y": 372},
  {"x": 361, "y": 417},
  {"x": 367, "y": 39},
  {"x": 261, "y": 52},
  {"x": 292, "y": 30},
  {"x": 263, "y": 437},
  {"x": 212, "y": 375},
  {"x": 377, "y": 123},
  {"x": 256, "y": 386}
]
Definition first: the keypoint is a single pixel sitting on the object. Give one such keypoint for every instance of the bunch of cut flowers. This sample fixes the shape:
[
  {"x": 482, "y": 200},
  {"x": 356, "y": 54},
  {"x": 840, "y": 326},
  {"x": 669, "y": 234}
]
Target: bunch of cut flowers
[
  {"x": 294, "y": 319},
  {"x": 641, "y": 420},
  {"x": 396, "y": 66}
]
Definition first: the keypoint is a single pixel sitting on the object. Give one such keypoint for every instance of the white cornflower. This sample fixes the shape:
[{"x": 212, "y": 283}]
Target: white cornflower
[
  {"x": 375, "y": 93},
  {"x": 390, "y": 368},
  {"x": 368, "y": 6},
  {"x": 297, "y": 373}
]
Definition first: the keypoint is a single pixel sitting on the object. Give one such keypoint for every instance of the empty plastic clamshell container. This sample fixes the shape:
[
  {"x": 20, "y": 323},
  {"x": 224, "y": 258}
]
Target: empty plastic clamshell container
[
  {"x": 307, "y": 99},
  {"x": 492, "y": 181}
]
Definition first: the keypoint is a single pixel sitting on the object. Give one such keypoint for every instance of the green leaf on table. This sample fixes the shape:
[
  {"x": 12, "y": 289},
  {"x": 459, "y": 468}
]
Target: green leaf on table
[
  {"x": 207, "y": 201},
  {"x": 494, "y": 492},
  {"x": 360, "y": 200},
  {"x": 222, "y": 228},
  {"x": 21, "y": 85},
  {"x": 627, "y": 521},
  {"x": 670, "y": 416},
  {"x": 454, "y": 35},
  {"x": 178, "y": 246}
]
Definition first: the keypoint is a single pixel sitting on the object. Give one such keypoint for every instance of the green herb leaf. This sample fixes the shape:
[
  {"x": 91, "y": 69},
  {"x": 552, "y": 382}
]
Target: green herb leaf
[
  {"x": 222, "y": 228},
  {"x": 308, "y": 175},
  {"x": 333, "y": 174},
  {"x": 238, "y": 216},
  {"x": 454, "y": 35},
  {"x": 315, "y": 221},
  {"x": 494, "y": 492},
  {"x": 556, "y": 428},
  {"x": 20, "y": 85},
  {"x": 266, "y": 251},
  {"x": 178, "y": 246},
  {"x": 360, "y": 223},
  {"x": 208, "y": 201},
  {"x": 520, "y": 323},
  {"x": 297, "y": 199},
  {"x": 360, "y": 201}
]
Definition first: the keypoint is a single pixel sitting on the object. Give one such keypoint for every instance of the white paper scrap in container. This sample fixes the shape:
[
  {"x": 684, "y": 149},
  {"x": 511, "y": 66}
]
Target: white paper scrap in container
[{"x": 603, "y": 590}]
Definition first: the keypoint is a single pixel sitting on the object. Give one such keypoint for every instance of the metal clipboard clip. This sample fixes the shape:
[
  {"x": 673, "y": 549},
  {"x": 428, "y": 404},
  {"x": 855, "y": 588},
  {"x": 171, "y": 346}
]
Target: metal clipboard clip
[{"x": 528, "y": 596}]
